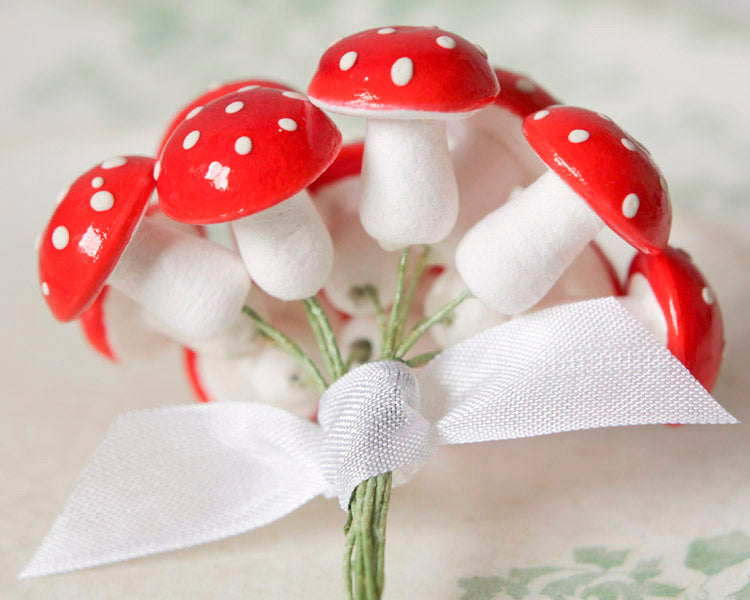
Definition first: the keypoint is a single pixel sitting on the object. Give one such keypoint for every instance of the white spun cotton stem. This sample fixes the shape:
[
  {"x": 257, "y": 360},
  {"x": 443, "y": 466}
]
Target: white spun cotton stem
[
  {"x": 191, "y": 284},
  {"x": 286, "y": 248},
  {"x": 407, "y": 191},
  {"x": 512, "y": 257}
]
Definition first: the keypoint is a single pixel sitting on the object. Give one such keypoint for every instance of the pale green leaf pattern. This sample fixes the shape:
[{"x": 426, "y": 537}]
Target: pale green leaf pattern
[
  {"x": 597, "y": 576},
  {"x": 712, "y": 555},
  {"x": 601, "y": 557},
  {"x": 481, "y": 588},
  {"x": 614, "y": 590},
  {"x": 657, "y": 589},
  {"x": 645, "y": 569},
  {"x": 567, "y": 586}
]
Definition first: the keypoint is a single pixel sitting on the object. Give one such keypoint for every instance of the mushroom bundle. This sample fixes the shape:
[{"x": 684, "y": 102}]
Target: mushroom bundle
[{"x": 473, "y": 201}]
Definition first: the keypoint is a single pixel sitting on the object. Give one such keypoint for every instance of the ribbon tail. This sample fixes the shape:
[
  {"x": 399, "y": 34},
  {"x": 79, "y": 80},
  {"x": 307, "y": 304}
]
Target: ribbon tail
[
  {"x": 578, "y": 366},
  {"x": 175, "y": 477}
]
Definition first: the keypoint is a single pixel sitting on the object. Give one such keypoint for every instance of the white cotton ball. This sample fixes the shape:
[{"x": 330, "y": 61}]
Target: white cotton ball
[
  {"x": 361, "y": 339},
  {"x": 587, "y": 277},
  {"x": 271, "y": 376},
  {"x": 467, "y": 319},
  {"x": 358, "y": 261},
  {"x": 337, "y": 197},
  {"x": 128, "y": 329}
]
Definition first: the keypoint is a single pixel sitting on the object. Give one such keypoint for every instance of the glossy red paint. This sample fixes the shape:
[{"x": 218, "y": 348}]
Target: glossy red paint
[
  {"x": 213, "y": 93},
  {"x": 449, "y": 73},
  {"x": 94, "y": 326},
  {"x": 520, "y": 94},
  {"x": 695, "y": 330},
  {"x": 190, "y": 359},
  {"x": 90, "y": 230},
  {"x": 608, "y": 169},
  {"x": 348, "y": 163},
  {"x": 243, "y": 153}
]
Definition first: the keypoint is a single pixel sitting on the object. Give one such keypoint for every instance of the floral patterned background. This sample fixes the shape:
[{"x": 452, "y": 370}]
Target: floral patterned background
[{"x": 647, "y": 512}]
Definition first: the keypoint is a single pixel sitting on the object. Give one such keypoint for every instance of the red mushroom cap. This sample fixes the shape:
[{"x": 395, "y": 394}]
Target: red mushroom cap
[
  {"x": 405, "y": 71},
  {"x": 94, "y": 325},
  {"x": 243, "y": 153},
  {"x": 190, "y": 359},
  {"x": 521, "y": 95},
  {"x": 612, "y": 172},
  {"x": 89, "y": 231},
  {"x": 347, "y": 164},
  {"x": 695, "y": 331},
  {"x": 214, "y": 92}
]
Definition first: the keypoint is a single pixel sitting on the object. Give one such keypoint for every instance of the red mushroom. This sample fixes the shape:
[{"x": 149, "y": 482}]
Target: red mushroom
[
  {"x": 598, "y": 175},
  {"x": 97, "y": 236},
  {"x": 406, "y": 81},
  {"x": 490, "y": 156},
  {"x": 212, "y": 93},
  {"x": 670, "y": 296},
  {"x": 247, "y": 158}
]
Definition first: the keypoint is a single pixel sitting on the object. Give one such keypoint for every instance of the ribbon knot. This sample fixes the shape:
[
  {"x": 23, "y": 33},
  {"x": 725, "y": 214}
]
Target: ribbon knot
[{"x": 371, "y": 424}]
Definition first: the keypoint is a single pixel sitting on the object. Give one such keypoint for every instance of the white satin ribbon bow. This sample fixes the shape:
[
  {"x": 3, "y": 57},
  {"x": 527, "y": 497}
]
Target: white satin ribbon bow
[{"x": 174, "y": 477}]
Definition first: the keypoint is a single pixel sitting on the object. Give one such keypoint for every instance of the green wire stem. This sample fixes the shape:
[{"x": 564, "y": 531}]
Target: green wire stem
[
  {"x": 390, "y": 338},
  {"x": 424, "y": 325},
  {"x": 289, "y": 346},
  {"x": 316, "y": 313}
]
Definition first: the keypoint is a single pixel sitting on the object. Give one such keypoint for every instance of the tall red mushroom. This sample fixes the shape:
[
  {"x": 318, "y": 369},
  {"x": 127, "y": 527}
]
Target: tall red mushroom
[
  {"x": 246, "y": 158},
  {"x": 597, "y": 175},
  {"x": 490, "y": 155},
  {"x": 406, "y": 81}
]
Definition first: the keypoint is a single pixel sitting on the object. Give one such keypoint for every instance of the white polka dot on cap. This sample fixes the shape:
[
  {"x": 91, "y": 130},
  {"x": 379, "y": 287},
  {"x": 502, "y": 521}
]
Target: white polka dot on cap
[
  {"x": 234, "y": 107},
  {"x": 578, "y": 135},
  {"x": 191, "y": 139},
  {"x": 288, "y": 124},
  {"x": 402, "y": 70},
  {"x": 243, "y": 145},
  {"x": 60, "y": 237},
  {"x": 630, "y": 205},
  {"x": 102, "y": 201},
  {"x": 347, "y": 61},
  {"x": 111, "y": 163}
]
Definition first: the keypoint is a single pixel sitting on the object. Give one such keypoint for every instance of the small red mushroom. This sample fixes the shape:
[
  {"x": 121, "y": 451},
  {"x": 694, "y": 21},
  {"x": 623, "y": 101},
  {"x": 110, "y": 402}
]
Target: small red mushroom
[
  {"x": 670, "y": 296},
  {"x": 406, "y": 81},
  {"x": 490, "y": 155},
  {"x": 597, "y": 175},
  {"x": 97, "y": 235},
  {"x": 247, "y": 157}
]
